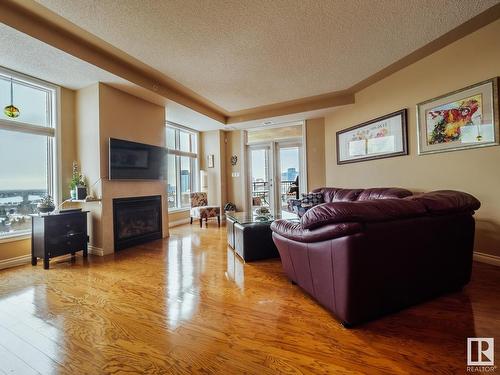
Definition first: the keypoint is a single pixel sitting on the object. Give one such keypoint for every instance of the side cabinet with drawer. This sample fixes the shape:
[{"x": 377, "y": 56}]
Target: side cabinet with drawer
[{"x": 58, "y": 234}]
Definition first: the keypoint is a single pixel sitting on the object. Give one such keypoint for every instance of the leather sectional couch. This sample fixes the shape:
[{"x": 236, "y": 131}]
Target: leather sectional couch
[{"x": 368, "y": 252}]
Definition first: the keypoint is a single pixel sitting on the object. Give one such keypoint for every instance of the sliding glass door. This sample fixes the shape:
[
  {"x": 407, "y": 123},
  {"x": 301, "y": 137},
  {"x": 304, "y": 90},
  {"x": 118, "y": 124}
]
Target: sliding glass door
[
  {"x": 275, "y": 175},
  {"x": 261, "y": 182},
  {"x": 288, "y": 174}
]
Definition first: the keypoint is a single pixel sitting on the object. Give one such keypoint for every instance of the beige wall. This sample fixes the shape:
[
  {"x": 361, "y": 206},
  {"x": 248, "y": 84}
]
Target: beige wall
[
  {"x": 177, "y": 218},
  {"x": 68, "y": 139},
  {"x": 315, "y": 133},
  {"x": 472, "y": 59},
  {"x": 88, "y": 156},
  {"x": 212, "y": 142},
  {"x": 104, "y": 112},
  {"x": 235, "y": 185}
]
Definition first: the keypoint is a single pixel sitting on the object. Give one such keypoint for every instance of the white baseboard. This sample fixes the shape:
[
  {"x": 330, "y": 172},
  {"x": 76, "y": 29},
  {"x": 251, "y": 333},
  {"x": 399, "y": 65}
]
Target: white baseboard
[
  {"x": 178, "y": 222},
  {"x": 95, "y": 250},
  {"x": 486, "y": 258},
  {"x": 16, "y": 261}
]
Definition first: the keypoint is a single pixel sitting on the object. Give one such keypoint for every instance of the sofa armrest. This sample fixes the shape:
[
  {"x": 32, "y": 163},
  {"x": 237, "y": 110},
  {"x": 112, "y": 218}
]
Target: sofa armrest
[
  {"x": 361, "y": 211},
  {"x": 294, "y": 231}
]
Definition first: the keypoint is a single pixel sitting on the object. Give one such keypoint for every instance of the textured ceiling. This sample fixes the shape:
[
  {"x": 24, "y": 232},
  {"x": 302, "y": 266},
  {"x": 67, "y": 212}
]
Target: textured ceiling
[
  {"x": 243, "y": 54},
  {"x": 34, "y": 58}
]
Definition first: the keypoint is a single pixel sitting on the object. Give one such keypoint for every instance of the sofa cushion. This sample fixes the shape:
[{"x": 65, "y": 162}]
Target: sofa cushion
[
  {"x": 446, "y": 201},
  {"x": 361, "y": 211},
  {"x": 383, "y": 193},
  {"x": 294, "y": 231},
  {"x": 311, "y": 199}
]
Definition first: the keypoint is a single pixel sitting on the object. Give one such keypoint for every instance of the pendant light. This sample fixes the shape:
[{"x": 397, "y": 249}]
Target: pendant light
[{"x": 11, "y": 110}]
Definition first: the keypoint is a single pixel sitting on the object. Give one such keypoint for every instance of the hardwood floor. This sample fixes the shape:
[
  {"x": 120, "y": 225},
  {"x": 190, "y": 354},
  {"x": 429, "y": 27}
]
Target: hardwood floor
[{"x": 187, "y": 305}]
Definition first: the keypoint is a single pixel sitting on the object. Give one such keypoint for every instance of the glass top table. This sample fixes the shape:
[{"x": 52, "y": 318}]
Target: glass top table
[{"x": 250, "y": 217}]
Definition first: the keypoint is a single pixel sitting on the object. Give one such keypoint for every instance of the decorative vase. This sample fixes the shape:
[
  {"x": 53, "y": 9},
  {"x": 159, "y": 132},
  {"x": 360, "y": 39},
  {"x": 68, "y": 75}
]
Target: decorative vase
[
  {"x": 42, "y": 208},
  {"x": 81, "y": 193},
  {"x": 262, "y": 211},
  {"x": 73, "y": 193}
]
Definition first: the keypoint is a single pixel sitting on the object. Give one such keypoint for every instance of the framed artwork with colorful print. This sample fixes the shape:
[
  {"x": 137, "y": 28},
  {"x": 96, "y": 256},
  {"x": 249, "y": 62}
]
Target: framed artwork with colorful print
[{"x": 462, "y": 119}]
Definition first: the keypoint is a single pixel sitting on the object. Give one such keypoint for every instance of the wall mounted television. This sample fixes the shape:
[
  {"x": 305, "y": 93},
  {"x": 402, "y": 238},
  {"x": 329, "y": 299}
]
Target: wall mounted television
[{"x": 135, "y": 161}]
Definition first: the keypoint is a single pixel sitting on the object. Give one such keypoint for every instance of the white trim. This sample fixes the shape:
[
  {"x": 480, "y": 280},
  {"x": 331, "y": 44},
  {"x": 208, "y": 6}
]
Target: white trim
[
  {"x": 95, "y": 250},
  {"x": 58, "y": 183},
  {"x": 178, "y": 222},
  {"x": 16, "y": 236},
  {"x": 305, "y": 183},
  {"x": 487, "y": 258},
  {"x": 24, "y": 127},
  {"x": 16, "y": 261},
  {"x": 172, "y": 124}
]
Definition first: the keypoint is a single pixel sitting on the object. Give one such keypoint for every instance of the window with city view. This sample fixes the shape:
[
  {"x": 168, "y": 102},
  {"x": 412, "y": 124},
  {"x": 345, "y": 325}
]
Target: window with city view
[
  {"x": 182, "y": 166},
  {"x": 26, "y": 152}
]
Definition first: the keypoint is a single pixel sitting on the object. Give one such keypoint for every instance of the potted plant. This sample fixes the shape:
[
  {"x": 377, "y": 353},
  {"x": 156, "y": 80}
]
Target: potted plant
[
  {"x": 46, "y": 204},
  {"x": 230, "y": 207},
  {"x": 78, "y": 185}
]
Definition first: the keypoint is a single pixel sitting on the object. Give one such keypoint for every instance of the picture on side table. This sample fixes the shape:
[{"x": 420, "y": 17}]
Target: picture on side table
[
  {"x": 382, "y": 137},
  {"x": 463, "y": 119}
]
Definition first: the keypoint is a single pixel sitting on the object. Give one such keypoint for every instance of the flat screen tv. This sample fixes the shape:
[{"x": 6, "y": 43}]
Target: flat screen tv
[{"x": 135, "y": 161}]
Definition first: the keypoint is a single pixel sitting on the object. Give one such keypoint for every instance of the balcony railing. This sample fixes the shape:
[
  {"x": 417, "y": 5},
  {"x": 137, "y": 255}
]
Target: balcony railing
[{"x": 260, "y": 189}]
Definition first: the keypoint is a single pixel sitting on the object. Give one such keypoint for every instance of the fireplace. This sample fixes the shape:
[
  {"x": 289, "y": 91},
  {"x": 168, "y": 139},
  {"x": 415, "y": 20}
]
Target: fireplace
[{"x": 136, "y": 220}]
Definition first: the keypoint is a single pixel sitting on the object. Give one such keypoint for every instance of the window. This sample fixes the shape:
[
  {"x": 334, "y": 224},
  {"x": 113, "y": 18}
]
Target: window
[
  {"x": 27, "y": 153},
  {"x": 182, "y": 165}
]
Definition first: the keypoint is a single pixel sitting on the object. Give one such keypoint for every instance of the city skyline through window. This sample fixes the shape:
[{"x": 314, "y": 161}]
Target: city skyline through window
[{"x": 26, "y": 150}]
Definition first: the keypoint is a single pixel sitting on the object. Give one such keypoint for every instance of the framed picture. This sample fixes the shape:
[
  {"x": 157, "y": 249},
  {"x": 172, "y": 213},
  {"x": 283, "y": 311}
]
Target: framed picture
[
  {"x": 383, "y": 137},
  {"x": 463, "y": 119},
  {"x": 210, "y": 158}
]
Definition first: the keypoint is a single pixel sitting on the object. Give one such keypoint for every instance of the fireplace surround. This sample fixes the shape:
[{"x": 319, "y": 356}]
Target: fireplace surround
[{"x": 136, "y": 220}]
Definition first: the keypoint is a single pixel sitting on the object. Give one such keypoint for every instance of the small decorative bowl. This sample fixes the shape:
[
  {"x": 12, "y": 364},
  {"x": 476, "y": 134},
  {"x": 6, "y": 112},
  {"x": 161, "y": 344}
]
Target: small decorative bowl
[{"x": 45, "y": 209}]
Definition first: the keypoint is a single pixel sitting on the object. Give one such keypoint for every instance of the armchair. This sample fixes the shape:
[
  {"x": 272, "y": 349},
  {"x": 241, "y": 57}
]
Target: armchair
[{"x": 201, "y": 210}]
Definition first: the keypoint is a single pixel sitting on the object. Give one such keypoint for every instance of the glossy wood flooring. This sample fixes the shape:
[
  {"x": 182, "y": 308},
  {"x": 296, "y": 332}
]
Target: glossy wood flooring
[{"x": 186, "y": 305}]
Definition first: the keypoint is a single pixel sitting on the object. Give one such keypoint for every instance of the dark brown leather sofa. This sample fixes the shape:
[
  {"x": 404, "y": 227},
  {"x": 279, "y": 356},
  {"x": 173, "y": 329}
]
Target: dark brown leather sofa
[{"x": 368, "y": 252}]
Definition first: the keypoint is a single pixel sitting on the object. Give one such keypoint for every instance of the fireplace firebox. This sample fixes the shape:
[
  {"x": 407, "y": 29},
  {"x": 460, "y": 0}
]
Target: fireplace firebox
[{"x": 136, "y": 220}]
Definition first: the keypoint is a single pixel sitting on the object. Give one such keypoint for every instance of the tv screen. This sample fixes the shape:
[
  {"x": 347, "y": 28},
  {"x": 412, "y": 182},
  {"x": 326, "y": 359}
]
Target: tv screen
[{"x": 135, "y": 161}]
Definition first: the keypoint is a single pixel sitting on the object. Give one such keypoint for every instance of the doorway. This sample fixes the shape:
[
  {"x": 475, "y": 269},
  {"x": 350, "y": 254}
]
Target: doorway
[{"x": 276, "y": 171}]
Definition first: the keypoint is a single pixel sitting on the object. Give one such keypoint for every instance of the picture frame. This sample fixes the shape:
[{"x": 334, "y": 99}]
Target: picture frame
[
  {"x": 459, "y": 120},
  {"x": 382, "y": 137},
  {"x": 210, "y": 161}
]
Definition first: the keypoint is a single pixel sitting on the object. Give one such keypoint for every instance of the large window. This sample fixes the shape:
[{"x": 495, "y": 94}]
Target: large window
[
  {"x": 182, "y": 165},
  {"x": 27, "y": 152}
]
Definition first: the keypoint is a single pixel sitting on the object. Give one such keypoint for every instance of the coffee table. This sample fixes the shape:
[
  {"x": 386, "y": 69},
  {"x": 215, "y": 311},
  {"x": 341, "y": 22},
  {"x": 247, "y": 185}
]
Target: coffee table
[{"x": 250, "y": 236}]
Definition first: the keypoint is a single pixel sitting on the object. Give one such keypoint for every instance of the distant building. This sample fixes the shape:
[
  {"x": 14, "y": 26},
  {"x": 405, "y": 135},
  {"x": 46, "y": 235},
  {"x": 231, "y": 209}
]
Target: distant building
[
  {"x": 185, "y": 180},
  {"x": 292, "y": 173}
]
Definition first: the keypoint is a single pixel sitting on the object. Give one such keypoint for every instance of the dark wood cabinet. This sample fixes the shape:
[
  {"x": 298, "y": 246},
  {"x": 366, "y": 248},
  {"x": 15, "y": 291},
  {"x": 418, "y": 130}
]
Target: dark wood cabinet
[{"x": 58, "y": 234}]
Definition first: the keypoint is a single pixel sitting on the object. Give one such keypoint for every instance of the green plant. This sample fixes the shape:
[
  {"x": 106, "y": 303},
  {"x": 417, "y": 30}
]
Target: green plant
[
  {"x": 77, "y": 179},
  {"x": 46, "y": 201}
]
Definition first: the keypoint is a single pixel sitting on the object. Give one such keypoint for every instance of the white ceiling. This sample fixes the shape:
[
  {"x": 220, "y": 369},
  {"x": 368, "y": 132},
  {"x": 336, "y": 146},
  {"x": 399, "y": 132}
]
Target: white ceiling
[
  {"x": 34, "y": 58},
  {"x": 243, "y": 54}
]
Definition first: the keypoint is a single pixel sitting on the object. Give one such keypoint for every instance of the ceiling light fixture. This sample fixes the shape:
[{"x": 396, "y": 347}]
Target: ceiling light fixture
[{"x": 11, "y": 110}]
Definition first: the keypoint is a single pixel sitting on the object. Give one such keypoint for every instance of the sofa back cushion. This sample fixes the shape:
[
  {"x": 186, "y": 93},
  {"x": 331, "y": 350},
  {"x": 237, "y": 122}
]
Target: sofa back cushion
[
  {"x": 443, "y": 202},
  {"x": 361, "y": 211},
  {"x": 350, "y": 195},
  {"x": 383, "y": 193}
]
